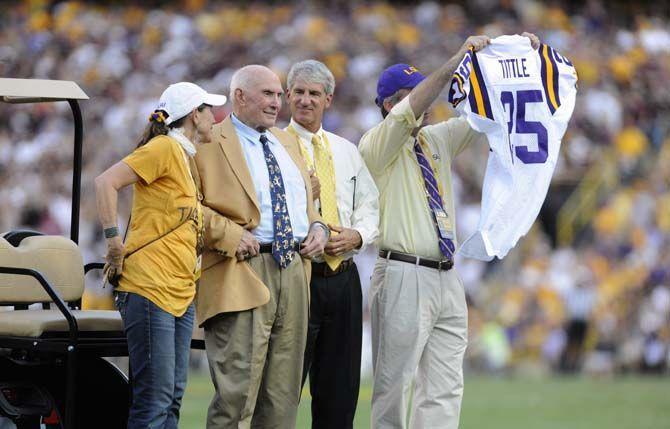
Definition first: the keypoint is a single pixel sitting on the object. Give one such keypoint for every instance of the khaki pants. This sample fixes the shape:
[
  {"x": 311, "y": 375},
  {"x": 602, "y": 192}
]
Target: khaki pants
[
  {"x": 256, "y": 356},
  {"x": 419, "y": 335}
]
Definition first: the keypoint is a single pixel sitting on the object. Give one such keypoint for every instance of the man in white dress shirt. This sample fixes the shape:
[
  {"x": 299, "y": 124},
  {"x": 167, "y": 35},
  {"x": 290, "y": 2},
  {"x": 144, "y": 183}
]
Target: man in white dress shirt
[{"x": 348, "y": 202}]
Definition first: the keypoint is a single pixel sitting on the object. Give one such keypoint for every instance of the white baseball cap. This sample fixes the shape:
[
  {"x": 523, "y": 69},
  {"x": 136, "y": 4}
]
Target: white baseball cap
[{"x": 179, "y": 99}]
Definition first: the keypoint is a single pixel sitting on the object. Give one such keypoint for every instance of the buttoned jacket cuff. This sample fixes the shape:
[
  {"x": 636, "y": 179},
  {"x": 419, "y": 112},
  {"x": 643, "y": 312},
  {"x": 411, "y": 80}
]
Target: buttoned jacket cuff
[{"x": 227, "y": 244}]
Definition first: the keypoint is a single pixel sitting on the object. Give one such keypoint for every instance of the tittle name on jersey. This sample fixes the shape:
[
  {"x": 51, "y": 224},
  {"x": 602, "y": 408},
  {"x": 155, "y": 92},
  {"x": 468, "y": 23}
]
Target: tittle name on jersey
[{"x": 513, "y": 67}]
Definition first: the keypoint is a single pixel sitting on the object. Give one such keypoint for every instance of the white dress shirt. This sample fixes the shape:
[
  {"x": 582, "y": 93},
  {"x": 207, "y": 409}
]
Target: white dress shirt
[
  {"x": 359, "y": 210},
  {"x": 294, "y": 185}
]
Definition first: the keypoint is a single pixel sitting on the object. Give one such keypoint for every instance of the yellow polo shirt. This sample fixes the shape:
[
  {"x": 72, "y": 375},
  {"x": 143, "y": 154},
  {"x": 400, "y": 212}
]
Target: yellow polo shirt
[
  {"x": 166, "y": 197},
  {"x": 406, "y": 222}
]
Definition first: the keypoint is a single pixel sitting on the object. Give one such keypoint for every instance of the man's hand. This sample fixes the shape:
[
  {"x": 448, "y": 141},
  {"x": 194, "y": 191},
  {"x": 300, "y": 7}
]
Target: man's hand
[
  {"x": 314, "y": 243},
  {"x": 248, "y": 247},
  {"x": 477, "y": 43},
  {"x": 316, "y": 185},
  {"x": 115, "y": 254},
  {"x": 344, "y": 241},
  {"x": 534, "y": 40},
  {"x": 423, "y": 95}
]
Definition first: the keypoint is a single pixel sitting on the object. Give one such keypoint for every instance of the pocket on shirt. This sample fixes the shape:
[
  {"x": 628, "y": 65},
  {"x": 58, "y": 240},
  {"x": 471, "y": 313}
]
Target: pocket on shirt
[
  {"x": 293, "y": 178},
  {"x": 345, "y": 192},
  {"x": 294, "y": 181}
]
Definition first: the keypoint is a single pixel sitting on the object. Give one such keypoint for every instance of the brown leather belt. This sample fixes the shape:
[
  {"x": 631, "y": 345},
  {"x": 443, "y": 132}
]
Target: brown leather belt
[
  {"x": 267, "y": 248},
  {"x": 445, "y": 265},
  {"x": 322, "y": 269}
]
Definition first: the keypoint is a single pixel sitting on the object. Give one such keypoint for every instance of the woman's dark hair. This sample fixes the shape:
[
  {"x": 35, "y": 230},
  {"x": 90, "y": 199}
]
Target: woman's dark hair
[{"x": 157, "y": 126}]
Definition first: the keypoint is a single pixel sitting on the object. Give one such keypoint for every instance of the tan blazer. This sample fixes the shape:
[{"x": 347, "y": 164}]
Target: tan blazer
[{"x": 231, "y": 206}]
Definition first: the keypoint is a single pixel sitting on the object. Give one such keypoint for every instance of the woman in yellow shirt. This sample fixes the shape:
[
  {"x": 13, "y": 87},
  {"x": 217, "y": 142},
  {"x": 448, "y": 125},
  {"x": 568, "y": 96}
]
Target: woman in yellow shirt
[{"x": 156, "y": 270}]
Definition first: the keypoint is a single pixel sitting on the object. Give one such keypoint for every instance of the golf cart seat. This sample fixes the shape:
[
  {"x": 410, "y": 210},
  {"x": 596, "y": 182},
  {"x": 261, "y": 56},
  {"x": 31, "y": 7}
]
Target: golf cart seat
[
  {"x": 58, "y": 260},
  {"x": 46, "y": 323}
]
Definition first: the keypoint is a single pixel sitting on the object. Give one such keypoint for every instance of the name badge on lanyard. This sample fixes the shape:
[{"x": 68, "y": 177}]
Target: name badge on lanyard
[
  {"x": 443, "y": 224},
  {"x": 199, "y": 237},
  {"x": 198, "y": 267}
]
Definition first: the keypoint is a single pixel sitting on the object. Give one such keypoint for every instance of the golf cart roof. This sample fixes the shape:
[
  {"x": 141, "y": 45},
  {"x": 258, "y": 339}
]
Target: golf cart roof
[{"x": 39, "y": 90}]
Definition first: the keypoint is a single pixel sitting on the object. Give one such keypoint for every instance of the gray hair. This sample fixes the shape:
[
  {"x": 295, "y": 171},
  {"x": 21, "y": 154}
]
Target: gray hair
[
  {"x": 312, "y": 71},
  {"x": 245, "y": 77},
  {"x": 393, "y": 99}
]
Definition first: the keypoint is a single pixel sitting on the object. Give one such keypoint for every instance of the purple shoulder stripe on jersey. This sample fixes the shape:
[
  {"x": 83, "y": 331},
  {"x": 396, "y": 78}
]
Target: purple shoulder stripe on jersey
[
  {"x": 549, "y": 73},
  {"x": 479, "y": 86},
  {"x": 552, "y": 57}
]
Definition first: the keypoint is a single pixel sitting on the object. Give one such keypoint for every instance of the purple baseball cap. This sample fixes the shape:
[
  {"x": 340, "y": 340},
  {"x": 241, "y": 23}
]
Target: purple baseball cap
[{"x": 398, "y": 76}]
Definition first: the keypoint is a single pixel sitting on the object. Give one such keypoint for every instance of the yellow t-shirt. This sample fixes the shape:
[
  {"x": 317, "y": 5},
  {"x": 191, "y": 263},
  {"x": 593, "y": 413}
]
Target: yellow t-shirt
[{"x": 165, "y": 198}]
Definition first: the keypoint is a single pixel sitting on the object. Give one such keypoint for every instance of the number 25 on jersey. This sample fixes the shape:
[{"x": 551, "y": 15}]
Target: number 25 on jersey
[{"x": 515, "y": 105}]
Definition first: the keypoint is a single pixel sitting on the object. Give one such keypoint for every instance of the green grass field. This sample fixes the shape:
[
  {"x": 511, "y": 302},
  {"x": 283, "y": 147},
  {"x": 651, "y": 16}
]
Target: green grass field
[{"x": 512, "y": 403}]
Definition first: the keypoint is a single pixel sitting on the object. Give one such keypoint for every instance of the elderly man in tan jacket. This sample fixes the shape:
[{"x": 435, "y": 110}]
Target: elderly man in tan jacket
[{"x": 261, "y": 230}]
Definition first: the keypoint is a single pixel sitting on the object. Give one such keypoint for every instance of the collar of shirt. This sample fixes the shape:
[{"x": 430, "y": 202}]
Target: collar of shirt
[
  {"x": 306, "y": 134},
  {"x": 294, "y": 186},
  {"x": 249, "y": 133},
  {"x": 361, "y": 211}
]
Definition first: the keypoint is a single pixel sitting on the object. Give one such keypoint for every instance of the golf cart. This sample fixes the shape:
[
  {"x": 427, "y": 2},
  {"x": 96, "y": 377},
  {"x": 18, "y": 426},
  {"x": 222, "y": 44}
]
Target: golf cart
[{"x": 52, "y": 371}]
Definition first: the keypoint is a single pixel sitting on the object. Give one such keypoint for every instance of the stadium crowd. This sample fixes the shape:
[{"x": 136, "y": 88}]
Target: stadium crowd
[{"x": 612, "y": 280}]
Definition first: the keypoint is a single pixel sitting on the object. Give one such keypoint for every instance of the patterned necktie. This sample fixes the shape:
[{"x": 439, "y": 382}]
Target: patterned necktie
[
  {"x": 282, "y": 246},
  {"x": 323, "y": 162},
  {"x": 434, "y": 199}
]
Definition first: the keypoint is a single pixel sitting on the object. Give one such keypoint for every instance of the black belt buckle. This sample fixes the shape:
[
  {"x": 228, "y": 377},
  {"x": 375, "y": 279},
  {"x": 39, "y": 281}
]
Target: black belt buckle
[
  {"x": 445, "y": 265},
  {"x": 267, "y": 247},
  {"x": 344, "y": 266},
  {"x": 323, "y": 269}
]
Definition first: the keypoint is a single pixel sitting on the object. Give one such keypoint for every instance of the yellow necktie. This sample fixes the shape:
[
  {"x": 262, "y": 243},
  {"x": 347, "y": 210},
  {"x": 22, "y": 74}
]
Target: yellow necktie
[{"x": 323, "y": 162}]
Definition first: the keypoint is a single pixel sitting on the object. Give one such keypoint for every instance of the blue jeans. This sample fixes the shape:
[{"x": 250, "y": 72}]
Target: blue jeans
[{"x": 158, "y": 346}]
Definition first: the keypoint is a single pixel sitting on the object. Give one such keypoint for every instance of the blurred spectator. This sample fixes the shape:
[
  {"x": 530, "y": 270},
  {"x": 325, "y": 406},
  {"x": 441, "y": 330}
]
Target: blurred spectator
[{"x": 579, "y": 302}]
